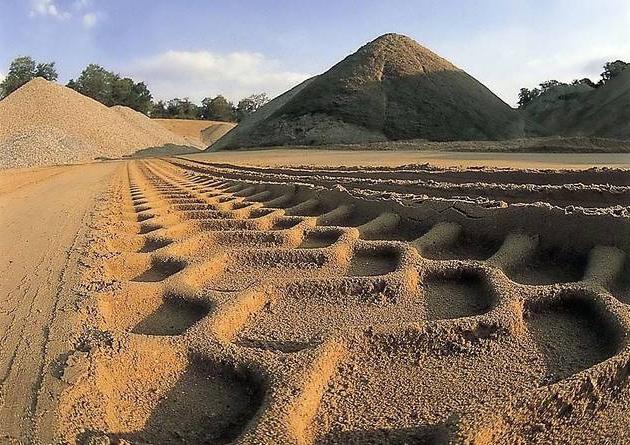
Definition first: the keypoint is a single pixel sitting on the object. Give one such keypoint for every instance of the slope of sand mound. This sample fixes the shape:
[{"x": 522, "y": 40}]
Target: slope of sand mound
[
  {"x": 583, "y": 111},
  {"x": 144, "y": 125},
  {"x": 216, "y": 131},
  {"x": 239, "y": 135},
  {"x": 201, "y": 133},
  {"x": 390, "y": 89},
  {"x": 44, "y": 123}
]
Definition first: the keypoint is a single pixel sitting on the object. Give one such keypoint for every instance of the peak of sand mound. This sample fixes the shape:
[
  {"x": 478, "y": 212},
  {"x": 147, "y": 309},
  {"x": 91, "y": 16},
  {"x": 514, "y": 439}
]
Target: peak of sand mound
[
  {"x": 390, "y": 89},
  {"x": 45, "y": 123},
  {"x": 569, "y": 110}
]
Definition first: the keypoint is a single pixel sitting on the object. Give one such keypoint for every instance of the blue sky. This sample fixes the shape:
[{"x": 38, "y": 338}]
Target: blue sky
[{"x": 199, "y": 48}]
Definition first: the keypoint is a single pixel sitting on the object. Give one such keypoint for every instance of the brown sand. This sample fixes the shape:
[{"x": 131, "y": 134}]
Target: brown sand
[
  {"x": 147, "y": 127},
  {"x": 443, "y": 159},
  {"x": 44, "y": 214},
  {"x": 199, "y": 133},
  {"x": 44, "y": 123},
  {"x": 229, "y": 304}
]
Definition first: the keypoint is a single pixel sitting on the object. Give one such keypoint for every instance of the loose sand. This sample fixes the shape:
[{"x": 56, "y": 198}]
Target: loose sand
[
  {"x": 44, "y": 123},
  {"x": 200, "y": 133},
  {"x": 226, "y": 303},
  {"x": 44, "y": 215},
  {"x": 571, "y": 110},
  {"x": 445, "y": 159}
]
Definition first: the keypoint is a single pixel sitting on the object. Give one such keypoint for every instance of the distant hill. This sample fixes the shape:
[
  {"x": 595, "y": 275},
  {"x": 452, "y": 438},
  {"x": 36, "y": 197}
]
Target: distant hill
[
  {"x": 390, "y": 89},
  {"x": 580, "y": 110}
]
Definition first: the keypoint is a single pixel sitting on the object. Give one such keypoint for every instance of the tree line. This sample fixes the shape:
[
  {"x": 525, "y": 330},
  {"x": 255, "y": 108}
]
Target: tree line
[
  {"x": 217, "y": 108},
  {"x": 111, "y": 89},
  {"x": 611, "y": 70}
]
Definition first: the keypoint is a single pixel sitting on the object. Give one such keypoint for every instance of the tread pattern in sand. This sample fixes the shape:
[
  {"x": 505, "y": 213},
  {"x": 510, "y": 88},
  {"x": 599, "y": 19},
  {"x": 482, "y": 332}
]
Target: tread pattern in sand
[{"x": 348, "y": 316}]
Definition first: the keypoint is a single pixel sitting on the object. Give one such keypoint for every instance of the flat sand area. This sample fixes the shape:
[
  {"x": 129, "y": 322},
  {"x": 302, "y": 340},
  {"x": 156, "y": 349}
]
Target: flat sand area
[
  {"x": 43, "y": 215},
  {"x": 276, "y": 157}
]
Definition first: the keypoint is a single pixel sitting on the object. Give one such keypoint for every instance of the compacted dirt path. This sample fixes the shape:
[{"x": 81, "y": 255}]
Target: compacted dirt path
[{"x": 43, "y": 216}]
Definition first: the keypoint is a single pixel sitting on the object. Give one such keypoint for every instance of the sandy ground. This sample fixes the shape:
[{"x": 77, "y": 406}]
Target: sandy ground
[
  {"x": 201, "y": 132},
  {"x": 396, "y": 158},
  {"x": 181, "y": 301},
  {"x": 43, "y": 215}
]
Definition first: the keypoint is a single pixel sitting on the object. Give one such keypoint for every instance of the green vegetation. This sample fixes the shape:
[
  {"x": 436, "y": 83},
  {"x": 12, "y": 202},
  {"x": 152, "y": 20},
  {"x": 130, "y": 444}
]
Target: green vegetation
[
  {"x": 24, "y": 69},
  {"x": 217, "y": 108},
  {"x": 611, "y": 70},
  {"x": 111, "y": 89},
  {"x": 175, "y": 109},
  {"x": 250, "y": 104}
]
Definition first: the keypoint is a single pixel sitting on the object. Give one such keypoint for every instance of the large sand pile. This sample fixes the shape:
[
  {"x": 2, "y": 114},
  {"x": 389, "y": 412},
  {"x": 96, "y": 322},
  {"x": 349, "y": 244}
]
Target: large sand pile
[
  {"x": 44, "y": 123},
  {"x": 198, "y": 132},
  {"x": 583, "y": 111},
  {"x": 390, "y": 89}
]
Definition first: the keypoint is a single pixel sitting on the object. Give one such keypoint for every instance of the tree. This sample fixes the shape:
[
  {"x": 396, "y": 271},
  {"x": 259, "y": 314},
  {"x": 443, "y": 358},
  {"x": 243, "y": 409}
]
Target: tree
[
  {"x": 158, "y": 109},
  {"x": 187, "y": 109},
  {"x": 182, "y": 109},
  {"x": 95, "y": 82},
  {"x": 549, "y": 84},
  {"x": 248, "y": 105},
  {"x": 218, "y": 109},
  {"x": 613, "y": 69},
  {"x": 525, "y": 96},
  {"x": 111, "y": 89},
  {"x": 584, "y": 81},
  {"x": 24, "y": 69},
  {"x": 133, "y": 95}
]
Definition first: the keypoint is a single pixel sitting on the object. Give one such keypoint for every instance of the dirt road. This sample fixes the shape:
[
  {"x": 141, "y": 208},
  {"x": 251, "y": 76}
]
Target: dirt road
[{"x": 43, "y": 215}]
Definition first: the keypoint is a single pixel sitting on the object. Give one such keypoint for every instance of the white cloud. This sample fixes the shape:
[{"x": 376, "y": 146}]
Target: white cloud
[
  {"x": 508, "y": 59},
  {"x": 199, "y": 74},
  {"x": 81, "y": 4},
  {"x": 89, "y": 20},
  {"x": 48, "y": 8}
]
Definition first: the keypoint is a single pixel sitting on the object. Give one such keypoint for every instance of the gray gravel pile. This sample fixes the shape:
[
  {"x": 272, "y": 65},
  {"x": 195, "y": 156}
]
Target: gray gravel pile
[{"x": 44, "y": 123}]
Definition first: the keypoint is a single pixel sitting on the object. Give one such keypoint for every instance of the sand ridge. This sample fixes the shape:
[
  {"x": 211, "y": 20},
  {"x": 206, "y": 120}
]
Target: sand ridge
[{"x": 309, "y": 306}]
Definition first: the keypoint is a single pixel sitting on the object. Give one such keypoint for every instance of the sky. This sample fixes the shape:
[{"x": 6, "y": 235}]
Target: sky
[{"x": 201, "y": 48}]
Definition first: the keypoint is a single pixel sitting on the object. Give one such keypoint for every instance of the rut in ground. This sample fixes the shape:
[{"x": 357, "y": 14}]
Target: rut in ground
[{"x": 323, "y": 316}]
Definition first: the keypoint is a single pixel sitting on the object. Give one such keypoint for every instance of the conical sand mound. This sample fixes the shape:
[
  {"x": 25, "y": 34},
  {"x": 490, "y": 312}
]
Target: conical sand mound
[
  {"x": 390, "y": 89},
  {"x": 45, "y": 123}
]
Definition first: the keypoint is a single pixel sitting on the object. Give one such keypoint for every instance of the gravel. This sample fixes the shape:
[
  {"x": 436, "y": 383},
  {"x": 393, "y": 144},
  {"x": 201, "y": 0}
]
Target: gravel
[{"x": 44, "y": 123}]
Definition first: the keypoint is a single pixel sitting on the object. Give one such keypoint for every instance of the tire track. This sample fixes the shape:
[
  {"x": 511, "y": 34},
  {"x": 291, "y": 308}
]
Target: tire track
[{"x": 309, "y": 305}]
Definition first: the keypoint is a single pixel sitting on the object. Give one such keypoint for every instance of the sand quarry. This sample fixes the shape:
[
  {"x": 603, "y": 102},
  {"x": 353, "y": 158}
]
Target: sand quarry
[
  {"x": 189, "y": 300},
  {"x": 407, "y": 292}
]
